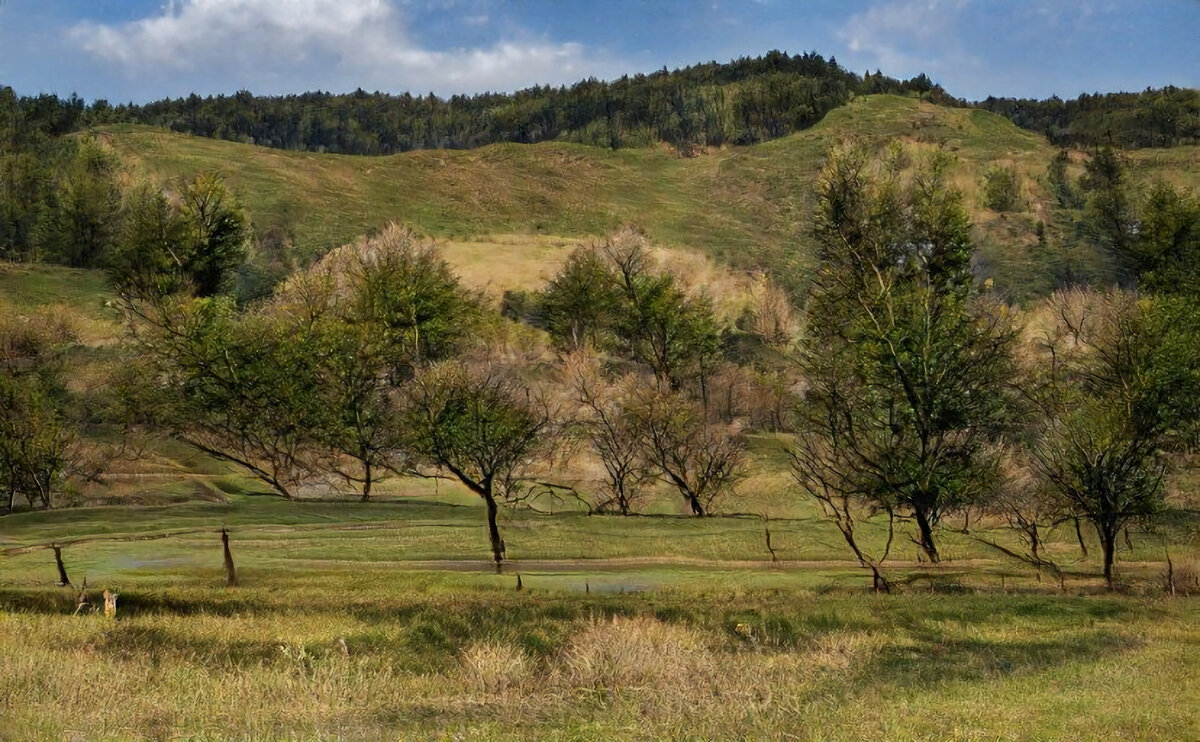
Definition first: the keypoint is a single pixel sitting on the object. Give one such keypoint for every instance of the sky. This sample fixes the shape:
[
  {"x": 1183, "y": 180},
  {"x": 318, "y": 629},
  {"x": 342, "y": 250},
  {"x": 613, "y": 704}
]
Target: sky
[{"x": 141, "y": 50}]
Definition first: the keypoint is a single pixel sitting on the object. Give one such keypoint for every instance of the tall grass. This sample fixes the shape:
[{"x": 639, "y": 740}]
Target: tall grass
[{"x": 370, "y": 661}]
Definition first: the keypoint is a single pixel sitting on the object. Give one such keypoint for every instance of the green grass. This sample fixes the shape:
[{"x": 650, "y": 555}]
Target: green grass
[
  {"x": 748, "y": 206},
  {"x": 29, "y": 286},
  {"x": 79, "y": 296}
]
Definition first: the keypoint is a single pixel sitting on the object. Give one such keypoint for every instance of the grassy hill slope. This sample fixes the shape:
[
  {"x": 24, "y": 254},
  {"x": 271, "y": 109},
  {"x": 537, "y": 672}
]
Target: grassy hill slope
[{"x": 747, "y": 205}]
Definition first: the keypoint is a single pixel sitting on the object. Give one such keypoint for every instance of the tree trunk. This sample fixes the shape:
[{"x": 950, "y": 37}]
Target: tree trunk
[
  {"x": 926, "y": 531},
  {"x": 230, "y": 572},
  {"x": 366, "y": 491},
  {"x": 767, "y": 534},
  {"x": 697, "y": 506},
  {"x": 63, "y": 580},
  {"x": 879, "y": 582},
  {"x": 1108, "y": 542},
  {"x": 494, "y": 531},
  {"x": 1079, "y": 537},
  {"x": 622, "y": 497}
]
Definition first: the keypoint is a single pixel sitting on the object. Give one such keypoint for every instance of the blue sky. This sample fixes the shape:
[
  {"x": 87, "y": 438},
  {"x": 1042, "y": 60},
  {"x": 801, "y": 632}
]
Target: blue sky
[{"x": 145, "y": 49}]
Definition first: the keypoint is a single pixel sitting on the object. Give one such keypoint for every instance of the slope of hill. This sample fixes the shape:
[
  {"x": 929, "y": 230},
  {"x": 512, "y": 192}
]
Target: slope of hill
[{"x": 746, "y": 205}]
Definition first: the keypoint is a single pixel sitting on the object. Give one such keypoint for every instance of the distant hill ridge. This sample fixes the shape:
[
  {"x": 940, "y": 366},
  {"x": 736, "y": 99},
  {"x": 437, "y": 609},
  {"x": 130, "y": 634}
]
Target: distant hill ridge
[{"x": 747, "y": 100}]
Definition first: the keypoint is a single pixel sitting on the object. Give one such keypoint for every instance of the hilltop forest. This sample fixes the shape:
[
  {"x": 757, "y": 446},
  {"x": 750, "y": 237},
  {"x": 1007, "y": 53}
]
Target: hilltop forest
[{"x": 740, "y": 102}]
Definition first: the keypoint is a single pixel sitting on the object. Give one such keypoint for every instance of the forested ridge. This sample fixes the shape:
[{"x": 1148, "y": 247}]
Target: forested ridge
[
  {"x": 1163, "y": 117},
  {"x": 711, "y": 104}
]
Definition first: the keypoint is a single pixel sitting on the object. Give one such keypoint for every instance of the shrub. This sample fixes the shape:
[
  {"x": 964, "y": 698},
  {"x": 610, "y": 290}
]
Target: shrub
[{"x": 1001, "y": 191}]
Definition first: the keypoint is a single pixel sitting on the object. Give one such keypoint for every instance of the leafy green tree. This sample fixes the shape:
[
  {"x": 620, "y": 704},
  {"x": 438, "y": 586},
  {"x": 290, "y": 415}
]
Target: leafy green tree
[
  {"x": 147, "y": 262},
  {"x": 379, "y": 311},
  {"x": 1109, "y": 213},
  {"x": 656, "y": 323},
  {"x": 1120, "y": 386},
  {"x": 1001, "y": 189},
  {"x": 613, "y": 297},
  {"x": 482, "y": 429},
  {"x": 361, "y": 425},
  {"x": 242, "y": 388},
  {"x": 402, "y": 286},
  {"x": 25, "y": 199},
  {"x": 218, "y": 234},
  {"x": 1166, "y": 252},
  {"x": 86, "y": 219},
  {"x": 1067, "y": 192},
  {"x": 167, "y": 248},
  {"x": 35, "y": 433},
  {"x": 579, "y": 306},
  {"x": 906, "y": 370},
  {"x": 34, "y": 442},
  {"x": 1163, "y": 117}
]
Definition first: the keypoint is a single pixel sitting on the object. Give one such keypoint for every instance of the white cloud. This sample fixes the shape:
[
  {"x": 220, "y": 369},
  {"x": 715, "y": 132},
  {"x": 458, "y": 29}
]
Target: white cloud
[
  {"x": 905, "y": 38},
  {"x": 280, "y": 46}
]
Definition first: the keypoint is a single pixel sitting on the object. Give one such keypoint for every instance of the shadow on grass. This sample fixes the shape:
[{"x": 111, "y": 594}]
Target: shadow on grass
[{"x": 940, "y": 658}]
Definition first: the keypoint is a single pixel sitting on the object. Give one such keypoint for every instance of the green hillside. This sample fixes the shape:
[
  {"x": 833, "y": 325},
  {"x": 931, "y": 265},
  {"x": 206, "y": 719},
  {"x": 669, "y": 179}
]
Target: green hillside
[{"x": 746, "y": 205}]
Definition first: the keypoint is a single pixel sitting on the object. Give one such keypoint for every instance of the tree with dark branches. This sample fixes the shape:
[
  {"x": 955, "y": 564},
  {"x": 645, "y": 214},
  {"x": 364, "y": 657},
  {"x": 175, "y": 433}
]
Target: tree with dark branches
[
  {"x": 820, "y": 466},
  {"x": 701, "y": 460},
  {"x": 606, "y": 423},
  {"x": 483, "y": 429},
  {"x": 1119, "y": 389}
]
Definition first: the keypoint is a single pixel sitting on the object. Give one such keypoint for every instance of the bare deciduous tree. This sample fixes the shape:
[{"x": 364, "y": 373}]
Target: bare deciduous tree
[
  {"x": 701, "y": 460},
  {"x": 826, "y": 470},
  {"x": 1030, "y": 511},
  {"x": 611, "y": 433}
]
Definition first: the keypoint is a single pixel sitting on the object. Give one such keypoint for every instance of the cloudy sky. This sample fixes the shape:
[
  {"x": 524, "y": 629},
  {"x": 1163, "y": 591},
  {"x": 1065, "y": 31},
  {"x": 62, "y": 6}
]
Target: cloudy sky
[{"x": 145, "y": 49}]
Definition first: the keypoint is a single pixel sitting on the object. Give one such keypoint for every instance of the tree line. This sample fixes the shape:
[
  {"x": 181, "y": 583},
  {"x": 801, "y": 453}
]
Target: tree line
[
  {"x": 746, "y": 100},
  {"x": 1163, "y": 117}
]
